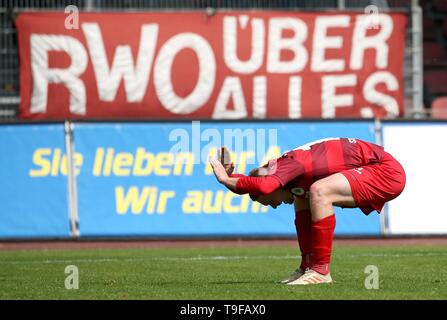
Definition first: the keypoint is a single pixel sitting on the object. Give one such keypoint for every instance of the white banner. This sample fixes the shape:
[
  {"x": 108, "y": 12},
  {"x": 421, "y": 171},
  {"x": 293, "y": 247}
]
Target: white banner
[{"x": 422, "y": 150}]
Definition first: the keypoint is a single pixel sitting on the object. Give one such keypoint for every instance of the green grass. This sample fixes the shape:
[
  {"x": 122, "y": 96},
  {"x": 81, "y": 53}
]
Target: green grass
[{"x": 220, "y": 273}]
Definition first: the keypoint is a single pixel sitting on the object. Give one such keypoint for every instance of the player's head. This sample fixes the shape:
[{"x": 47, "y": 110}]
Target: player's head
[{"x": 273, "y": 199}]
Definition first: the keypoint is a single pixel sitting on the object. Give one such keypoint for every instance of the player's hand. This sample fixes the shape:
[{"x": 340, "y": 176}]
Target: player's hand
[
  {"x": 224, "y": 156},
  {"x": 219, "y": 170}
]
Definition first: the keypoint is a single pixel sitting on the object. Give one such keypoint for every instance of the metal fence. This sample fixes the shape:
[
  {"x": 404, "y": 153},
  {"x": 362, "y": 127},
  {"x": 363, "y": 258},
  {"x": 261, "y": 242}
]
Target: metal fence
[{"x": 9, "y": 61}]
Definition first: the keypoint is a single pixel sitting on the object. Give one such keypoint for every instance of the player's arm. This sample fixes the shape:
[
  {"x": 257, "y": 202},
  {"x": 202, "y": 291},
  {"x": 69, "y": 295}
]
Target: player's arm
[
  {"x": 242, "y": 185},
  {"x": 222, "y": 175}
]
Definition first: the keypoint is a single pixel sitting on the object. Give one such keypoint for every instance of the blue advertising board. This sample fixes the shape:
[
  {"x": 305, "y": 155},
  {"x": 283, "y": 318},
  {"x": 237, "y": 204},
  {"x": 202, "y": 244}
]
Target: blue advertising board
[
  {"x": 153, "y": 179},
  {"x": 33, "y": 182}
]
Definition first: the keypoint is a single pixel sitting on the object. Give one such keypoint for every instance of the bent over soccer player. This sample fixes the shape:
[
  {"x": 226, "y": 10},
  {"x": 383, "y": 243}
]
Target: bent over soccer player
[{"x": 315, "y": 177}]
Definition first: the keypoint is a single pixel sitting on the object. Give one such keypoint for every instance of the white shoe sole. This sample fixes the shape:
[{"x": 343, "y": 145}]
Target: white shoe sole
[{"x": 299, "y": 282}]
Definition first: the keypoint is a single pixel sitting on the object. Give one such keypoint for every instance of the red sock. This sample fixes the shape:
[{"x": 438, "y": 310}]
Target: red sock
[
  {"x": 303, "y": 225},
  {"x": 322, "y": 236}
]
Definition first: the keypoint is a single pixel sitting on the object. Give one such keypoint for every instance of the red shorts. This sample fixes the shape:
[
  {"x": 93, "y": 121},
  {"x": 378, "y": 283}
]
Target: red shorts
[{"x": 376, "y": 184}]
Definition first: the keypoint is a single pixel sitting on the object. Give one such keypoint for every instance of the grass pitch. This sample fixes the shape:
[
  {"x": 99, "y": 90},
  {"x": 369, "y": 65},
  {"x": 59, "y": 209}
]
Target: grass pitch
[{"x": 407, "y": 272}]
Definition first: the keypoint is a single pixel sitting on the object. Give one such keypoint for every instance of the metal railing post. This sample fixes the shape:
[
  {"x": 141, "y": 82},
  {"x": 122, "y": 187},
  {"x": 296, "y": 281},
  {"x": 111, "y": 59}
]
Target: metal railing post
[
  {"x": 72, "y": 186},
  {"x": 418, "y": 67}
]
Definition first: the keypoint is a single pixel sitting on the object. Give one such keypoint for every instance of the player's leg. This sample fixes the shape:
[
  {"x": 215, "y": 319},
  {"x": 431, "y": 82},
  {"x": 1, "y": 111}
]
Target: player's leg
[
  {"x": 327, "y": 192},
  {"x": 303, "y": 226},
  {"x": 367, "y": 188},
  {"x": 324, "y": 193}
]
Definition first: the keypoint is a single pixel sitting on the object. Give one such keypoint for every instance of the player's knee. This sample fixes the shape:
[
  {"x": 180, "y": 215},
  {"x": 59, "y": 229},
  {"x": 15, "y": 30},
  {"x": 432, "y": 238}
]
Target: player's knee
[{"x": 319, "y": 193}]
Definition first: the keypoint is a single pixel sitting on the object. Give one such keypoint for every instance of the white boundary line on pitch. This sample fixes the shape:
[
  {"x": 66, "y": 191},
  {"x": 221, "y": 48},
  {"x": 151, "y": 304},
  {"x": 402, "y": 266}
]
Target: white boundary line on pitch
[
  {"x": 213, "y": 258},
  {"x": 151, "y": 259}
]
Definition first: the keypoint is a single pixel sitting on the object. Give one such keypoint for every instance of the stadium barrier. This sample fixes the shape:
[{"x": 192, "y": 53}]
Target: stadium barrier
[
  {"x": 122, "y": 179},
  {"x": 420, "y": 146},
  {"x": 34, "y": 198},
  {"x": 126, "y": 180}
]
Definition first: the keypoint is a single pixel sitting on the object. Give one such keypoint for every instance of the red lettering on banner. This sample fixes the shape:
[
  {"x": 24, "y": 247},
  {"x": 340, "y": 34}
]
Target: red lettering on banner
[{"x": 229, "y": 66}]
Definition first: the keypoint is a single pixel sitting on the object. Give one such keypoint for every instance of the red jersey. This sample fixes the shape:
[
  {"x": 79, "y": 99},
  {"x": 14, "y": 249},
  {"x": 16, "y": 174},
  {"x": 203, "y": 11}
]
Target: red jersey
[
  {"x": 371, "y": 185},
  {"x": 302, "y": 166}
]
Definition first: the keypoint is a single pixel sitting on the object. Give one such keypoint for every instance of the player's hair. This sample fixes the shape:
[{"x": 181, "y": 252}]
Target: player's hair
[
  {"x": 253, "y": 197},
  {"x": 258, "y": 172}
]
